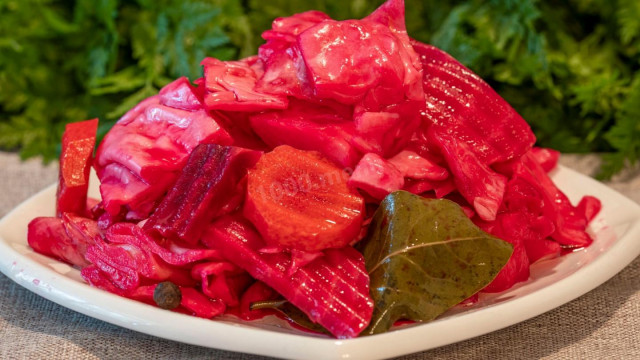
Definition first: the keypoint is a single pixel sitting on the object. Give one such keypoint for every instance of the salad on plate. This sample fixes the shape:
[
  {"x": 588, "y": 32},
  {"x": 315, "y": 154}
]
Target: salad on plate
[{"x": 347, "y": 179}]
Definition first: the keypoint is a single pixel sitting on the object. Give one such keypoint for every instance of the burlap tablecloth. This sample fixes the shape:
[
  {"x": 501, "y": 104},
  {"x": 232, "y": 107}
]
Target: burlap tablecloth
[{"x": 604, "y": 323}]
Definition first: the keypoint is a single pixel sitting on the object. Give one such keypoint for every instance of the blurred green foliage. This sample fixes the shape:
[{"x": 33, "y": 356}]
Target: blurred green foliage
[{"x": 570, "y": 67}]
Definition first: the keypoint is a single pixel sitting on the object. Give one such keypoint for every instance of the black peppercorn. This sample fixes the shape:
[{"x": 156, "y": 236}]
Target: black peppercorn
[{"x": 167, "y": 295}]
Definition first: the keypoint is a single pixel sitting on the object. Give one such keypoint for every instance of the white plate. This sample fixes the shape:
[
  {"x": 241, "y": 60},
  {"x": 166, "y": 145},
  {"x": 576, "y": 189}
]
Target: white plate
[{"x": 553, "y": 283}]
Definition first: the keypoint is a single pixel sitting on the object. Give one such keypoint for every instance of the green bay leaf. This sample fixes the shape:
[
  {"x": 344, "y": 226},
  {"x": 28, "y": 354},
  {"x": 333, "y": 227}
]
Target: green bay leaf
[{"x": 425, "y": 256}]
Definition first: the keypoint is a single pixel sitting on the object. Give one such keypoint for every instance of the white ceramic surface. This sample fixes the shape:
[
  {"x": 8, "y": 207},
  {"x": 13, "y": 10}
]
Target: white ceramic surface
[{"x": 552, "y": 283}]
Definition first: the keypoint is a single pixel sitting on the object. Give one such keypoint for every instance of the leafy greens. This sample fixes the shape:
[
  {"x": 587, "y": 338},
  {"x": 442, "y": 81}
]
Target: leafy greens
[{"x": 571, "y": 68}]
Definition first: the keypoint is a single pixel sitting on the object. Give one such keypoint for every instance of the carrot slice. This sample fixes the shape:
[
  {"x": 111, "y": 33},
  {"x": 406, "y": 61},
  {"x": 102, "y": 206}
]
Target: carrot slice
[{"x": 300, "y": 200}]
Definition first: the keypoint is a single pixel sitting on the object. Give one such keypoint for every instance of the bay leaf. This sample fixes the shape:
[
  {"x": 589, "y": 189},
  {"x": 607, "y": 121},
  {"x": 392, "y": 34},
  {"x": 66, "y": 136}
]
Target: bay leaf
[{"x": 425, "y": 256}]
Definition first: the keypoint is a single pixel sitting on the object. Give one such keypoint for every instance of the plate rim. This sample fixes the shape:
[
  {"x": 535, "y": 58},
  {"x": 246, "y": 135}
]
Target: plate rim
[{"x": 278, "y": 344}]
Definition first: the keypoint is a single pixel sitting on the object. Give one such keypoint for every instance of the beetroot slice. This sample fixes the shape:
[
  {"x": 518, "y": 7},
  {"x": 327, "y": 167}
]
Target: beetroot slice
[
  {"x": 333, "y": 290},
  {"x": 207, "y": 183},
  {"x": 461, "y": 104},
  {"x": 78, "y": 141}
]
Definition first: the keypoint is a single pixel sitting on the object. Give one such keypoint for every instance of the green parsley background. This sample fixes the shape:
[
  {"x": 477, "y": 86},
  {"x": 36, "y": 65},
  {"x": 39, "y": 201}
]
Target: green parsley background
[{"x": 570, "y": 67}]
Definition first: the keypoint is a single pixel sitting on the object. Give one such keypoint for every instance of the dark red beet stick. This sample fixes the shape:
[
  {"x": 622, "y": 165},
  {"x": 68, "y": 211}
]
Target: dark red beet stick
[{"x": 208, "y": 182}]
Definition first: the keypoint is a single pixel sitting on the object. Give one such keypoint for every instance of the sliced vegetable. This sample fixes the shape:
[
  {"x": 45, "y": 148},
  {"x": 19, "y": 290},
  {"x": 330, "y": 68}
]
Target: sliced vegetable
[
  {"x": 461, "y": 104},
  {"x": 482, "y": 187},
  {"x": 513, "y": 229},
  {"x": 570, "y": 224},
  {"x": 200, "y": 305},
  {"x": 333, "y": 290},
  {"x": 127, "y": 266},
  {"x": 231, "y": 86},
  {"x": 281, "y": 58},
  {"x": 589, "y": 206},
  {"x": 346, "y": 60},
  {"x": 142, "y": 155},
  {"x": 66, "y": 238},
  {"x": 222, "y": 280},
  {"x": 414, "y": 166},
  {"x": 205, "y": 186},
  {"x": 300, "y": 200},
  {"x": 180, "y": 94},
  {"x": 310, "y": 127},
  {"x": 547, "y": 158},
  {"x": 78, "y": 142},
  {"x": 376, "y": 177}
]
